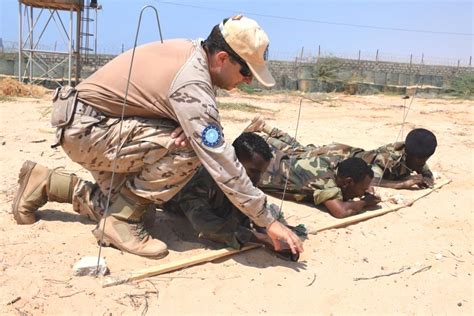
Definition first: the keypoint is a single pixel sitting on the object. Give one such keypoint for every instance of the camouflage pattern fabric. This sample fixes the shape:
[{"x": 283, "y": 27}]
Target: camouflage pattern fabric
[
  {"x": 148, "y": 162},
  {"x": 310, "y": 179},
  {"x": 282, "y": 141},
  {"x": 210, "y": 212},
  {"x": 388, "y": 161}
]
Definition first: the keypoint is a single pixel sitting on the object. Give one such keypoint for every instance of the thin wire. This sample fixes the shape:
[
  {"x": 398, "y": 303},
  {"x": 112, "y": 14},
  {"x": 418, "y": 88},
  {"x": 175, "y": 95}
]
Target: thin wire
[
  {"x": 398, "y": 29},
  {"x": 122, "y": 115},
  {"x": 405, "y": 115},
  {"x": 404, "y": 112},
  {"x": 288, "y": 169}
]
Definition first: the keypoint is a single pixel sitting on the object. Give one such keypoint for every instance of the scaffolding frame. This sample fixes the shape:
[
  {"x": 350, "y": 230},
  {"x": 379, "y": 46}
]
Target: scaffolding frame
[{"x": 29, "y": 47}]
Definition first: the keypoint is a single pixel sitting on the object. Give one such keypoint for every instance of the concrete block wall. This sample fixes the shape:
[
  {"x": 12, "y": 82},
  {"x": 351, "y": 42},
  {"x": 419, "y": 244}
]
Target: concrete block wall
[
  {"x": 9, "y": 65},
  {"x": 290, "y": 75}
]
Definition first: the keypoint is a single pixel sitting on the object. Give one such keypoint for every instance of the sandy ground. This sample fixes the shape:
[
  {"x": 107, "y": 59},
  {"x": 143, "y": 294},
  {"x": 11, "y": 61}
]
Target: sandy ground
[{"x": 419, "y": 260}]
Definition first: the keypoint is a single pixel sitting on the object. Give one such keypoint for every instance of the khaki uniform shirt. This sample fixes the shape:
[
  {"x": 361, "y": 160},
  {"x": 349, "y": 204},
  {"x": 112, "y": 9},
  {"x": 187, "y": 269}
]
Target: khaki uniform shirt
[{"x": 172, "y": 80}]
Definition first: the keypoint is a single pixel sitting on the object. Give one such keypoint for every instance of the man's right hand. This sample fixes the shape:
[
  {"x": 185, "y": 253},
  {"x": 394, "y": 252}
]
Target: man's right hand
[
  {"x": 280, "y": 233},
  {"x": 428, "y": 182},
  {"x": 371, "y": 199},
  {"x": 413, "y": 180}
]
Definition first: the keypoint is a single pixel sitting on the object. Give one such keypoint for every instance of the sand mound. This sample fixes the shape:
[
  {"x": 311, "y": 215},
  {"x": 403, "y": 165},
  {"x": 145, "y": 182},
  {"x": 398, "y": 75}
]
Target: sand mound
[{"x": 12, "y": 88}]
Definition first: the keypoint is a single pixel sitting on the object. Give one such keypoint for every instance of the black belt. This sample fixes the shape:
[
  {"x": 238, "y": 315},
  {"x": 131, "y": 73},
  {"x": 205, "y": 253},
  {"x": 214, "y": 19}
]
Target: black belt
[{"x": 87, "y": 110}]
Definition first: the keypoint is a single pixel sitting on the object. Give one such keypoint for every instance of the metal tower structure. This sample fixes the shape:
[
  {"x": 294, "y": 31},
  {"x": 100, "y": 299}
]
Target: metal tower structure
[
  {"x": 89, "y": 31},
  {"x": 37, "y": 62}
]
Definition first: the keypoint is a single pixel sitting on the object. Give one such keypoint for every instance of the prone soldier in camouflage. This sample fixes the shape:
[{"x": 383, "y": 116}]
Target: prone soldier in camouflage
[
  {"x": 321, "y": 181},
  {"x": 393, "y": 164},
  {"x": 312, "y": 178},
  {"x": 207, "y": 208},
  {"x": 172, "y": 83}
]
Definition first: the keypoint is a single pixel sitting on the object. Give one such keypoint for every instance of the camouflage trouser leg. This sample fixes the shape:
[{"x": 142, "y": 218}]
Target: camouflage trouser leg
[
  {"x": 333, "y": 151},
  {"x": 148, "y": 164},
  {"x": 88, "y": 200},
  {"x": 284, "y": 142},
  {"x": 230, "y": 227}
]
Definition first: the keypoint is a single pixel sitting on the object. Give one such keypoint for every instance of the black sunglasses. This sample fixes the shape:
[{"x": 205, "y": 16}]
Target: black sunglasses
[{"x": 244, "y": 68}]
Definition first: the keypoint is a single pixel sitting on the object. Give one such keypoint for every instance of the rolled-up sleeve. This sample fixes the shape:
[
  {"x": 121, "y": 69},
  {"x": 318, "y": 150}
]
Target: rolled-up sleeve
[{"x": 195, "y": 108}]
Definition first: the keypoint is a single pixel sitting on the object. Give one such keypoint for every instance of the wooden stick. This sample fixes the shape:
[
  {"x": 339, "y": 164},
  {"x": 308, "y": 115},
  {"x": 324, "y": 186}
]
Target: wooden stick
[
  {"x": 364, "y": 216},
  {"x": 175, "y": 265},
  {"x": 216, "y": 254}
]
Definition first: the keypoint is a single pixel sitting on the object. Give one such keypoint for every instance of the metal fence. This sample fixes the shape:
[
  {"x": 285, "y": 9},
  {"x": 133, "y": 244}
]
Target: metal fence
[{"x": 303, "y": 55}]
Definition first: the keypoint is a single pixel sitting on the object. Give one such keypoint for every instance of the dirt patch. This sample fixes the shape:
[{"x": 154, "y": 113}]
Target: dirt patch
[
  {"x": 418, "y": 260},
  {"x": 10, "y": 87}
]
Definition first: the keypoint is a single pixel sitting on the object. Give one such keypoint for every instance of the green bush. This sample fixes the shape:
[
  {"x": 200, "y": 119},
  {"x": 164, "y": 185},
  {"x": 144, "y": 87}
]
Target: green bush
[
  {"x": 326, "y": 69},
  {"x": 244, "y": 107},
  {"x": 463, "y": 84},
  {"x": 248, "y": 89}
]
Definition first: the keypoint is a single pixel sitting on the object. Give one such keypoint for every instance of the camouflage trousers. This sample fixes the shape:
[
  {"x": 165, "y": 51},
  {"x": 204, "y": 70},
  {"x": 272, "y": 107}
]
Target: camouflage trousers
[
  {"x": 140, "y": 150},
  {"x": 224, "y": 224},
  {"x": 281, "y": 140}
]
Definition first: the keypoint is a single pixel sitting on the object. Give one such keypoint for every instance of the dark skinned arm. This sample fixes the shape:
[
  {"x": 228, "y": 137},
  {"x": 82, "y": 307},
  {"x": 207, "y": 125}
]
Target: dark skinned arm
[
  {"x": 408, "y": 183},
  {"x": 428, "y": 179},
  {"x": 342, "y": 209}
]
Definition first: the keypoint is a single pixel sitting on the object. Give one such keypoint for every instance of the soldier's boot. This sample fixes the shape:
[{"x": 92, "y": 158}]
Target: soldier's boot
[
  {"x": 258, "y": 124},
  {"x": 124, "y": 228},
  {"x": 38, "y": 185}
]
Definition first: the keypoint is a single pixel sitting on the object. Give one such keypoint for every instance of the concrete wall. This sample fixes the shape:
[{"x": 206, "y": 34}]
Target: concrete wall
[
  {"x": 52, "y": 64},
  {"x": 291, "y": 75}
]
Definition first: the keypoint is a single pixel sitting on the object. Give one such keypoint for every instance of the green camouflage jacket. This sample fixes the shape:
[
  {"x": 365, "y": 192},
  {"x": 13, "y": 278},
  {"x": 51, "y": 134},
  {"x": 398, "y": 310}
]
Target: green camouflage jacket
[{"x": 309, "y": 179}]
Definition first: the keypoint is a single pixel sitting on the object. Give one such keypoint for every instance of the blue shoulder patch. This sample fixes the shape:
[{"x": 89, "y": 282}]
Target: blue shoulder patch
[{"x": 211, "y": 136}]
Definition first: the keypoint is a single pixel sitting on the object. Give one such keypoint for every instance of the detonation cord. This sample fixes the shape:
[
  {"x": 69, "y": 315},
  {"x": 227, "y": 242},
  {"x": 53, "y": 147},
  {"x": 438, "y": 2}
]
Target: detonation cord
[
  {"x": 119, "y": 143},
  {"x": 290, "y": 157}
]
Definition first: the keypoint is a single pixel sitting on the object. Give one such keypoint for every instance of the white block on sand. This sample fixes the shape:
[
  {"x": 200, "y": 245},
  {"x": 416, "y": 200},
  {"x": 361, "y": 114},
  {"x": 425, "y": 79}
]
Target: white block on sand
[{"x": 88, "y": 266}]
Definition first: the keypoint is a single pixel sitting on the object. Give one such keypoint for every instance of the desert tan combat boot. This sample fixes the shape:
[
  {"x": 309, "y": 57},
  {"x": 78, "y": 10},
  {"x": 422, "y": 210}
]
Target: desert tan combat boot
[
  {"x": 258, "y": 124},
  {"x": 38, "y": 185},
  {"x": 129, "y": 237},
  {"x": 124, "y": 228}
]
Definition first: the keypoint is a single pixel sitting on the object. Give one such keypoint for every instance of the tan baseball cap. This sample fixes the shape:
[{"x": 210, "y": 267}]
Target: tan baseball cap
[{"x": 250, "y": 42}]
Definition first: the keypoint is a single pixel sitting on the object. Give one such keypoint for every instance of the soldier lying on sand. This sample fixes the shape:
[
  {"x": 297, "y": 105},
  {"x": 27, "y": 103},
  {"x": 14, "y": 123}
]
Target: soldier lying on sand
[
  {"x": 319, "y": 180},
  {"x": 210, "y": 212},
  {"x": 393, "y": 164}
]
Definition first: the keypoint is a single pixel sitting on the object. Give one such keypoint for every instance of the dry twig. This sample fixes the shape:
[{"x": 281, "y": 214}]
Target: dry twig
[
  {"x": 455, "y": 257},
  {"x": 156, "y": 290},
  {"x": 383, "y": 275},
  {"x": 58, "y": 281},
  {"x": 13, "y": 301},
  {"x": 69, "y": 295},
  {"x": 314, "y": 279},
  {"x": 145, "y": 308},
  {"x": 421, "y": 270}
]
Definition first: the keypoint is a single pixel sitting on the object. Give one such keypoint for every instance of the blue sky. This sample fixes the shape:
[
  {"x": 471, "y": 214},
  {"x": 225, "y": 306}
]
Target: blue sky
[{"x": 292, "y": 25}]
